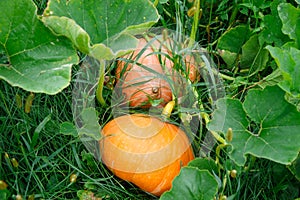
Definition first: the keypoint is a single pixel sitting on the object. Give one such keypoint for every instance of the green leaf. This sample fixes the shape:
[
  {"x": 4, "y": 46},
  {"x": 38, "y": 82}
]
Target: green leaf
[
  {"x": 68, "y": 128},
  {"x": 253, "y": 57},
  {"x": 231, "y": 42},
  {"x": 37, "y": 60},
  {"x": 193, "y": 184},
  {"x": 234, "y": 38},
  {"x": 272, "y": 25},
  {"x": 204, "y": 164},
  {"x": 89, "y": 130},
  {"x": 118, "y": 46},
  {"x": 273, "y": 133},
  {"x": 279, "y": 123},
  {"x": 293, "y": 100},
  {"x": 229, "y": 57},
  {"x": 272, "y": 79},
  {"x": 102, "y": 29},
  {"x": 90, "y": 126},
  {"x": 288, "y": 61},
  {"x": 255, "y": 5},
  {"x": 289, "y": 16},
  {"x": 230, "y": 114}
]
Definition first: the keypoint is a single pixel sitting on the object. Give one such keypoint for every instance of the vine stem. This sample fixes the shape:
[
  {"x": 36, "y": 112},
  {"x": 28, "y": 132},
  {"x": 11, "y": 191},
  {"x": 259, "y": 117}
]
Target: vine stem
[
  {"x": 226, "y": 77},
  {"x": 99, "y": 90},
  {"x": 218, "y": 137},
  {"x": 195, "y": 24},
  {"x": 234, "y": 13}
]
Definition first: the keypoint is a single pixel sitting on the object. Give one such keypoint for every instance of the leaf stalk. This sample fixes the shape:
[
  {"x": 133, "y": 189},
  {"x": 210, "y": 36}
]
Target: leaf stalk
[{"x": 99, "y": 90}]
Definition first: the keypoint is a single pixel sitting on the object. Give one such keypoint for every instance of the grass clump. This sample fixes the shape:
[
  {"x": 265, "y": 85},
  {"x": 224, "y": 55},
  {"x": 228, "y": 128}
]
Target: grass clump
[{"x": 44, "y": 169}]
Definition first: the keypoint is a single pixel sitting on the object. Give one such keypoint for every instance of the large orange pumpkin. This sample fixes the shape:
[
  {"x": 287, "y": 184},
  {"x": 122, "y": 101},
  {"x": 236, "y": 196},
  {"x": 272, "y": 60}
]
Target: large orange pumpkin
[
  {"x": 140, "y": 85},
  {"x": 145, "y": 151}
]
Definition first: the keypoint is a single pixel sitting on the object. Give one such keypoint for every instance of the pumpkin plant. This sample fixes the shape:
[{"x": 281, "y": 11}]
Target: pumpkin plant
[{"x": 145, "y": 150}]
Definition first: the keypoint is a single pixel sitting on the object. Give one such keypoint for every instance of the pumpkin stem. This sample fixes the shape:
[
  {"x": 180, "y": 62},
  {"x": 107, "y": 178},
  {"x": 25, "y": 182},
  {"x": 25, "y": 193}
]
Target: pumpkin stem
[
  {"x": 168, "y": 109},
  {"x": 99, "y": 89}
]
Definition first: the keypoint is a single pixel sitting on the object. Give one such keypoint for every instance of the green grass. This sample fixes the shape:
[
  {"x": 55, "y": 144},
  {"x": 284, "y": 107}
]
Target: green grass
[
  {"x": 44, "y": 169},
  {"x": 262, "y": 179},
  {"x": 46, "y": 158}
]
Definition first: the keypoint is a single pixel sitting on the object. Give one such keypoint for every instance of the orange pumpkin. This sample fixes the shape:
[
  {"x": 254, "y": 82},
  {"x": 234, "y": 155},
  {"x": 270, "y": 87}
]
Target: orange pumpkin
[
  {"x": 145, "y": 151},
  {"x": 140, "y": 85}
]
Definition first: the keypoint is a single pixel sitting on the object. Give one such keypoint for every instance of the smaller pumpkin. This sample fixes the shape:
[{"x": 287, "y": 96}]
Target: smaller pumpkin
[
  {"x": 140, "y": 85},
  {"x": 145, "y": 151}
]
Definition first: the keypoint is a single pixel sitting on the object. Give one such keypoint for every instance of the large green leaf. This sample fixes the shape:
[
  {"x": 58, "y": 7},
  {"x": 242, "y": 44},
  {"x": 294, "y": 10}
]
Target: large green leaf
[
  {"x": 233, "y": 39},
  {"x": 289, "y": 16},
  {"x": 288, "y": 61},
  {"x": 271, "y": 33},
  {"x": 36, "y": 60},
  {"x": 101, "y": 29},
  {"x": 231, "y": 42},
  {"x": 204, "y": 164},
  {"x": 230, "y": 114},
  {"x": 192, "y": 184},
  {"x": 278, "y": 135},
  {"x": 254, "y": 57},
  {"x": 274, "y": 131}
]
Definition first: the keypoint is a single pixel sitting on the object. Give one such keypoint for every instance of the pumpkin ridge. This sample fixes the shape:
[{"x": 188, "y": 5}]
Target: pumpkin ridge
[{"x": 134, "y": 151}]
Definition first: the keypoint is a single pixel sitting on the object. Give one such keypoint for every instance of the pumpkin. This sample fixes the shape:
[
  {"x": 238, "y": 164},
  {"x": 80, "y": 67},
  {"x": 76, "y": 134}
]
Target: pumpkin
[
  {"x": 145, "y": 151},
  {"x": 140, "y": 85}
]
